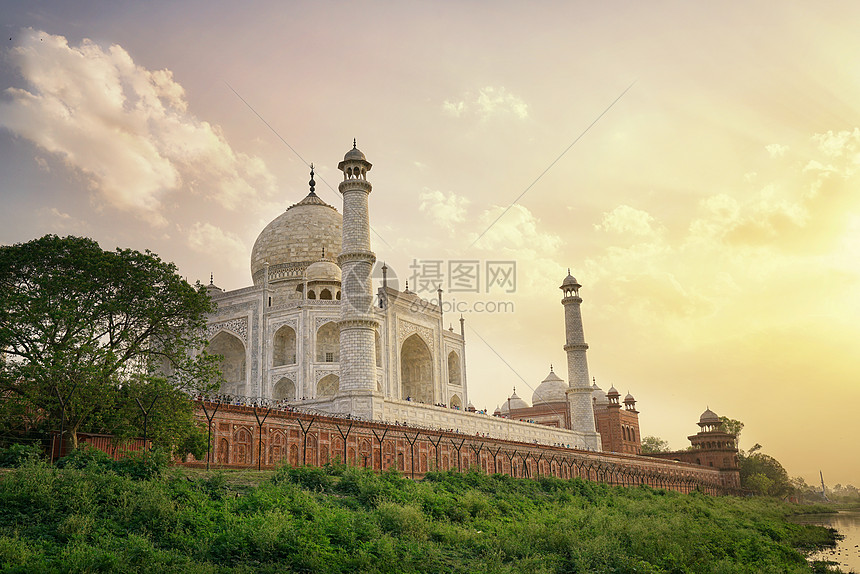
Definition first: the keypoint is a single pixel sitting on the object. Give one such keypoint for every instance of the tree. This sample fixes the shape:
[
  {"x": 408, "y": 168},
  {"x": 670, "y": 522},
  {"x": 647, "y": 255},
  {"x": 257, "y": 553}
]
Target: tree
[
  {"x": 733, "y": 426},
  {"x": 653, "y": 444},
  {"x": 77, "y": 323},
  {"x": 756, "y": 466}
]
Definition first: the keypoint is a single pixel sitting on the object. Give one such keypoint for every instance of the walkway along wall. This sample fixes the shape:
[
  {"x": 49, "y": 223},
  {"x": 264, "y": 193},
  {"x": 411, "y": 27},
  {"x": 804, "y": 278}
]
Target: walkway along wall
[{"x": 261, "y": 437}]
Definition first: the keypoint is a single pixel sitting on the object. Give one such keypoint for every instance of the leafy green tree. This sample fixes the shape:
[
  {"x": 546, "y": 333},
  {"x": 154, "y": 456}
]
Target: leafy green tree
[
  {"x": 653, "y": 444},
  {"x": 78, "y": 323},
  {"x": 733, "y": 426},
  {"x": 755, "y": 466}
]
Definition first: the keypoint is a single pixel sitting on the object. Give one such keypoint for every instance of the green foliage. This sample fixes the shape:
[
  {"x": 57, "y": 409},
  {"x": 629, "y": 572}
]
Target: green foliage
[
  {"x": 85, "y": 332},
  {"x": 733, "y": 426},
  {"x": 139, "y": 465},
  {"x": 89, "y": 517},
  {"x": 653, "y": 444},
  {"x": 763, "y": 474},
  {"x": 18, "y": 454}
]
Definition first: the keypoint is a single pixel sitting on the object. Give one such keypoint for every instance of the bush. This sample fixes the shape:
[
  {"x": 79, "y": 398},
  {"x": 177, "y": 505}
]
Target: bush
[
  {"x": 138, "y": 465},
  {"x": 86, "y": 457},
  {"x": 18, "y": 454}
]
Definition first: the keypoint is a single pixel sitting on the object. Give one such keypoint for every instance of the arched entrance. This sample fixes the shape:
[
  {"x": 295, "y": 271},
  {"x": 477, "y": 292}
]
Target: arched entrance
[
  {"x": 454, "y": 375},
  {"x": 328, "y": 386},
  {"x": 416, "y": 370},
  {"x": 328, "y": 343},
  {"x": 284, "y": 390},
  {"x": 284, "y": 347},
  {"x": 232, "y": 363}
]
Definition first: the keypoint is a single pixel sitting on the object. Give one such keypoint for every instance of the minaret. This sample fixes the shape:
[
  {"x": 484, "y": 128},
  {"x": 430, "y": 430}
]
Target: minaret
[
  {"x": 358, "y": 325},
  {"x": 579, "y": 383}
]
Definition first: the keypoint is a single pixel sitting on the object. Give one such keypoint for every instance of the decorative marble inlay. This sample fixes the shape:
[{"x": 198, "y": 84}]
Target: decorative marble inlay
[
  {"x": 238, "y": 326},
  {"x": 405, "y": 329},
  {"x": 319, "y": 374},
  {"x": 320, "y": 321}
]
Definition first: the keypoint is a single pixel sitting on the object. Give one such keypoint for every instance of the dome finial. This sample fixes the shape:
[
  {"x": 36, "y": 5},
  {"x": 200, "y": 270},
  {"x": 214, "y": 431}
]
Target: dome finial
[
  {"x": 312, "y": 183},
  {"x": 211, "y": 278},
  {"x": 353, "y": 143},
  {"x": 550, "y": 367}
]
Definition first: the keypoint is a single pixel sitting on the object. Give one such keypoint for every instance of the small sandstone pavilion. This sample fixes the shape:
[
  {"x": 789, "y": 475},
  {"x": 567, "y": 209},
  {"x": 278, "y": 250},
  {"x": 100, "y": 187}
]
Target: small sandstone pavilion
[{"x": 310, "y": 331}]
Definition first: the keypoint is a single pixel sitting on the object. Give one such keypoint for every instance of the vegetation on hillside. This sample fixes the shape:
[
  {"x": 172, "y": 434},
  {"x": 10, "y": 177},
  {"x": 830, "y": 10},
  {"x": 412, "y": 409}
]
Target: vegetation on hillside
[{"x": 95, "y": 515}]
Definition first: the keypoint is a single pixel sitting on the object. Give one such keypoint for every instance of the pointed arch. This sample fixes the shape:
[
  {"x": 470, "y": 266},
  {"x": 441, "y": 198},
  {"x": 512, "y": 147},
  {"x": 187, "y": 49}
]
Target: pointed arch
[
  {"x": 284, "y": 346},
  {"x": 328, "y": 343},
  {"x": 325, "y": 294},
  {"x": 242, "y": 440},
  {"x": 416, "y": 370},
  {"x": 284, "y": 390},
  {"x": 232, "y": 363},
  {"x": 454, "y": 371},
  {"x": 328, "y": 386},
  {"x": 456, "y": 402}
]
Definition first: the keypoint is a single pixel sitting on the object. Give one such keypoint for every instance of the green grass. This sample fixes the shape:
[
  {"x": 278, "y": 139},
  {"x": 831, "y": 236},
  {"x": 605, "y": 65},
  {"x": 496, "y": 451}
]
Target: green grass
[{"x": 97, "y": 519}]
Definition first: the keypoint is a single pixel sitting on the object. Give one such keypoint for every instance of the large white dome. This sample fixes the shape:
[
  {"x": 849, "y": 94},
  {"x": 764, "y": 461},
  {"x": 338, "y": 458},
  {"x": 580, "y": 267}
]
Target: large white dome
[{"x": 296, "y": 239}]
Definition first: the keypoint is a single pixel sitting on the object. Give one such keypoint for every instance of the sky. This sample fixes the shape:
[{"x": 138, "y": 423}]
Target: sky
[{"x": 695, "y": 165}]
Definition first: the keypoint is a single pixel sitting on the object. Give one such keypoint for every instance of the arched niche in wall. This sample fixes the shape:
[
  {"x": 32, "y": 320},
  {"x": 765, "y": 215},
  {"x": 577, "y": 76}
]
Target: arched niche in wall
[
  {"x": 328, "y": 343},
  {"x": 328, "y": 386},
  {"x": 455, "y": 376},
  {"x": 284, "y": 347},
  {"x": 232, "y": 363},
  {"x": 416, "y": 370},
  {"x": 284, "y": 390}
]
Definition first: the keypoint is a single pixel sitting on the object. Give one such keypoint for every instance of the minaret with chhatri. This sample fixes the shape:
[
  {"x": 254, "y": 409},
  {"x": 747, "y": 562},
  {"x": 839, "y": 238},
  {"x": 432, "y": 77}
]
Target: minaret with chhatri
[
  {"x": 579, "y": 391},
  {"x": 358, "y": 387}
]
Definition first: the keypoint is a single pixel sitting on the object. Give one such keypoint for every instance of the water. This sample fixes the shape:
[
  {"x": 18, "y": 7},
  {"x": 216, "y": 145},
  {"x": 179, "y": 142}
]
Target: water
[{"x": 847, "y": 551}]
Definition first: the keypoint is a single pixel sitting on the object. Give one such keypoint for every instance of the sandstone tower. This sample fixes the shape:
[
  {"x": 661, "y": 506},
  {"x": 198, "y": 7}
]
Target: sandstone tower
[
  {"x": 358, "y": 326},
  {"x": 579, "y": 384}
]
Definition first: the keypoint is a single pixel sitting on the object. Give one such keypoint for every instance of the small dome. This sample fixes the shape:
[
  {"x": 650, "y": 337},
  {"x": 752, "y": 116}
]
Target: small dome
[
  {"x": 354, "y": 154},
  {"x": 709, "y": 417},
  {"x": 323, "y": 271},
  {"x": 598, "y": 395},
  {"x": 516, "y": 402},
  {"x": 613, "y": 392},
  {"x": 498, "y": 410},
  {"x": 551, "y": 390},
  {"x": 570, "y": 281},
  {"x": 629, "y": 398}
]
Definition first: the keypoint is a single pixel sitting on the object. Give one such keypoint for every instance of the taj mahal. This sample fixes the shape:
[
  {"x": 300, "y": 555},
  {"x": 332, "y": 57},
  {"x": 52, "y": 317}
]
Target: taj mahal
[{"x": 310, "y": 331}]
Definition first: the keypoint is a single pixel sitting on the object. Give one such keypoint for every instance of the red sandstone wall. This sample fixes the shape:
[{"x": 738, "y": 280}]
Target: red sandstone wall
[{"x": 239, "y": 440}]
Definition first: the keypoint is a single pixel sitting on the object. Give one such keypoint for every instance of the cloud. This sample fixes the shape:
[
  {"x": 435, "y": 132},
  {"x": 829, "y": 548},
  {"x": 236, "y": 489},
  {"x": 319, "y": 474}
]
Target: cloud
[
  {"x": 776, "y": 150},
  {"x": 489, "y": 102},
  {"x": 214, "y": 241},
  {"x": 626, "y": 219},
  {"x": 516, "y": 230},
  {"x": 61, "y": 222},
  {"x": 125, "y": 128},
  {"x": 445, "y": 210},
  {"x": 743, "y": 256}
]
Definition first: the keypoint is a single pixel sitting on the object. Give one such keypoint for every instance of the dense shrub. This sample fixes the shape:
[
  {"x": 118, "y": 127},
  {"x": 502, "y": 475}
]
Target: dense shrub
[
  {"x": 90, "y": 517},
  {"x": 18, "y": 454},
  {"x": 138, "y": 465}
]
